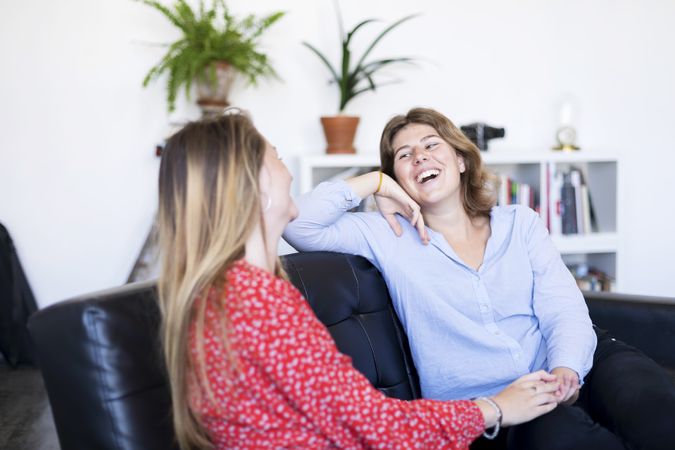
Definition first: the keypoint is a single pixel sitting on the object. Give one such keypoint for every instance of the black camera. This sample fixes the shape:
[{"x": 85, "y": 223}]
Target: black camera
[{"x": 480, "y": 133}]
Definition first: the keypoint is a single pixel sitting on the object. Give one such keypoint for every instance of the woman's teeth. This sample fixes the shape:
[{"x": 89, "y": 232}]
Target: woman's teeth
[{"x": 427, "y": 175}]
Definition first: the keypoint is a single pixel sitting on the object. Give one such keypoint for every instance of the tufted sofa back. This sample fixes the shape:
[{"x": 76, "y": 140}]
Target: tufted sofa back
[
  {"x": 350, "y": 297},
  {"x": 101, "y": 359}
]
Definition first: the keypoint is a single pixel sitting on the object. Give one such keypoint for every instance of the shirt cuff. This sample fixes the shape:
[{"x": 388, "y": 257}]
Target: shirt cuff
[{"x": 351, "y": 199}]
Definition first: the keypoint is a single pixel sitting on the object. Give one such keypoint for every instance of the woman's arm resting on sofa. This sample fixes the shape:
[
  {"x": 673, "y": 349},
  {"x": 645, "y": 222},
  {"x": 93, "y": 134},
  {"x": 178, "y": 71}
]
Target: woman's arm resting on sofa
[{"x": 324, "y": 223}]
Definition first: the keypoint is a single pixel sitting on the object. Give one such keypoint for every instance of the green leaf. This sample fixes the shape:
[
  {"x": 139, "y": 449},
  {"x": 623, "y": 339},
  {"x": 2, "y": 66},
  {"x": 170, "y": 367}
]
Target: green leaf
[
  {"x": 356, "y": 28},
  {"x": 166, "y": 11},
  {"x": 206, "y": 40},
  {"x": 381, "y": 35},
  {"x": 366, "y": 89},
  {"x": 333, "y": 72},
  {"x": 355, "y": 80}
]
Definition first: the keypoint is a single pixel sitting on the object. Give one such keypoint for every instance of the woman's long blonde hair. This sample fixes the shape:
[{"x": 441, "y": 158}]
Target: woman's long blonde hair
[{"x": 209, "y": 203}]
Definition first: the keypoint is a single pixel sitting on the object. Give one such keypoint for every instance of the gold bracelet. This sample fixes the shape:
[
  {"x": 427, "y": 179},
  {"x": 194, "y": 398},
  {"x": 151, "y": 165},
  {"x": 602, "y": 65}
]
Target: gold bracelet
[{"x": 379, "y": 185}]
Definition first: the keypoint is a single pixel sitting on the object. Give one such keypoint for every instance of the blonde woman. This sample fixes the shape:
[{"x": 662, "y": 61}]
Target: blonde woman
[{"x": 249, "y": 364}]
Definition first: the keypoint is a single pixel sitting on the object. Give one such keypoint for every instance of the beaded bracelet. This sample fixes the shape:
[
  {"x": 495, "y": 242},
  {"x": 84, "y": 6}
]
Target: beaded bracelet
[{"x": 495, "y": 429}]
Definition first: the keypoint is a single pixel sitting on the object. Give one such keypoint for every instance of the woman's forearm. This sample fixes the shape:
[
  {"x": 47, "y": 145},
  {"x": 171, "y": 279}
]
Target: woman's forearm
[
  {"x": 322, "y": 223},
  {"x": 366, "y": 184}
]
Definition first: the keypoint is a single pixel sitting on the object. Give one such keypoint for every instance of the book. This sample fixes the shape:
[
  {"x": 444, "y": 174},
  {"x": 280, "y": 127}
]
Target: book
[
  {"x": 512, "y": 192},
  {"x": 585, "y": 209},
  {"x": 575, "y": 180},
  {"x": 568, "y": 201},
  {"x": 570, "y": 208},
  {"x": 554, "y": 205}
]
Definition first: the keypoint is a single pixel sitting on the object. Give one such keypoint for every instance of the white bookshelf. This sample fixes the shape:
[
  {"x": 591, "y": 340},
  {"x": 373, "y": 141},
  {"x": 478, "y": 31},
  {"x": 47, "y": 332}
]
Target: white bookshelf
[
  {"x": 598, "y": 249},
  {"x": 315, "y": 169}
]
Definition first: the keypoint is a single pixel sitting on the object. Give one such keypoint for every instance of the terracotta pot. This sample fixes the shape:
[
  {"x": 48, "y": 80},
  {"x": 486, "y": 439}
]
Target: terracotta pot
[
  {"x": 213, "y": 98},
  {"x": 340, "y": 132}
]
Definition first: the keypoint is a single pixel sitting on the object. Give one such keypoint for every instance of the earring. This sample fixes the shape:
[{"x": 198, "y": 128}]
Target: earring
[{"x": 268, "y": 205}]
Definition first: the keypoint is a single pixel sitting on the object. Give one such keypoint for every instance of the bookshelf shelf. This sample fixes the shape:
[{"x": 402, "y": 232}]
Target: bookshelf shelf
[
  {"x": 587, "y": 243},
  {"x": 315, "y": 169},
  {"x": 597, "y": 248}
]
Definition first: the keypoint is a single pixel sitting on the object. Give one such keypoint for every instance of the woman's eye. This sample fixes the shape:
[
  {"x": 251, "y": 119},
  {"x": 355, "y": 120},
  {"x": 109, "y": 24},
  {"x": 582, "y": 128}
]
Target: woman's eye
[
  {"x": 403, "y": 155},
  {"x": 431, "y": 145}
]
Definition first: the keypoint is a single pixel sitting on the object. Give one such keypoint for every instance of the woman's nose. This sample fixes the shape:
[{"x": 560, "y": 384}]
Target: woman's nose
[{"x": 420, "y": 156}]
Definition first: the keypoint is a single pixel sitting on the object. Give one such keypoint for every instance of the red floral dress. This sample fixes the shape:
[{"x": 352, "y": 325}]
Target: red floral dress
[{"x": 285, "y": 384}]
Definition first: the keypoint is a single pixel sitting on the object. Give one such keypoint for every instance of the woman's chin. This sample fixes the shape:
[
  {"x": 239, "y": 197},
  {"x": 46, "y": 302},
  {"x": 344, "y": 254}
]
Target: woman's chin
[
  {"x": 433, "y": 200},
  {"x": 293, "y": 212}
]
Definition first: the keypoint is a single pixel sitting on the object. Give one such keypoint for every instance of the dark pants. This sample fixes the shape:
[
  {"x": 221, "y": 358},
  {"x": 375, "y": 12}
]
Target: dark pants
[{"x": 627, "y": 402}]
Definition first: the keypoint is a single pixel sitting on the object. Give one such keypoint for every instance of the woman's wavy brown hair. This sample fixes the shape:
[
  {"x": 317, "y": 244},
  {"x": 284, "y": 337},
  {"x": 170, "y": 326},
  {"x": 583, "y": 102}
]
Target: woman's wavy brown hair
[{"x": 478, "y": 185}]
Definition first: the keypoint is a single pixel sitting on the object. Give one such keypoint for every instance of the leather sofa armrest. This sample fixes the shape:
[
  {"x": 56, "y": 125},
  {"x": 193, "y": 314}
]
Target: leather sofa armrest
[{"x": 645, "y": 322}]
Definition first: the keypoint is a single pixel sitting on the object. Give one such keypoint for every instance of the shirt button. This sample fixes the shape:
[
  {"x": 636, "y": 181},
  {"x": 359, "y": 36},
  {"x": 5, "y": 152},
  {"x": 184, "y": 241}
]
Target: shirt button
[
  {"x": 484, "y": 307},
  {"x": 497, "y": 333}
]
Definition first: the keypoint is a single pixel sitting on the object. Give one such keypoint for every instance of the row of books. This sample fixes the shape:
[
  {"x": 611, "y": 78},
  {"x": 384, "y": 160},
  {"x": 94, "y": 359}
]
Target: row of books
[
  {"x": 570, "y": 210},
  {"x": 512, "y": 192}
]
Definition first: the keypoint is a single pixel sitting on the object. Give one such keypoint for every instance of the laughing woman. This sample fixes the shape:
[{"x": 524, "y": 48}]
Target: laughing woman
[
  {"x": 482, "y": 292},
  {"x": 250, "y": 366}
]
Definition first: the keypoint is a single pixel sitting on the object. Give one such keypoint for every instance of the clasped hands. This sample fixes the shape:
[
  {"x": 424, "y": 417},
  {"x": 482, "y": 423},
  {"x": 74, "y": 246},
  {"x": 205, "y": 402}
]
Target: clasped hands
[
  {"x": 568, "y": 392},
  {"x": 535, "y": 394}
]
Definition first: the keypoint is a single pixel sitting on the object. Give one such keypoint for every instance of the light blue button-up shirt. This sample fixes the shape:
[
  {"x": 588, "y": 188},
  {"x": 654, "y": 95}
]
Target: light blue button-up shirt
[{"x": 471, "y": 332}]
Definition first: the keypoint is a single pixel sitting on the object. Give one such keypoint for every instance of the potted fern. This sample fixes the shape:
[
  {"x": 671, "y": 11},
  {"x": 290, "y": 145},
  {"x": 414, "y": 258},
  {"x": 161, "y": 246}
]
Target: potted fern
[
  {"x": 352, "y": 80},
  {"x": 214, "y": 45}
]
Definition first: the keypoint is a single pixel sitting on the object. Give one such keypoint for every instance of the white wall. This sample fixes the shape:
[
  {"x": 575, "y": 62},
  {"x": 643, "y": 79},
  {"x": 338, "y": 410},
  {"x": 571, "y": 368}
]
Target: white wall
[{"x": 77, "y": 130}]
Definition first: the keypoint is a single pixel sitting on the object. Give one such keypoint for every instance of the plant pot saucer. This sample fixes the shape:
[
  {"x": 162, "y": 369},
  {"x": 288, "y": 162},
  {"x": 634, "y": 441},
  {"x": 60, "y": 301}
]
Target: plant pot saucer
[{"x": 210, "y": 107}]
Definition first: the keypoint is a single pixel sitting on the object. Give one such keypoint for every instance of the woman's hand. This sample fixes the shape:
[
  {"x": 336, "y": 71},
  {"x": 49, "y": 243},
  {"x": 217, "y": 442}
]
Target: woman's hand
[
  {"x": 568, "y": 392},
  {"x": 391, "y": 199},
  {"x": 530, "y": 396}
]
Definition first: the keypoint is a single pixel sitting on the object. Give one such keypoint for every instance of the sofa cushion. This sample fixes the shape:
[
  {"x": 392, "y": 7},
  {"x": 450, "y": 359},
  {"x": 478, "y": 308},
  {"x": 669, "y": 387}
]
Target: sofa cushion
[
  {"x": 349, "y": 296},
  {"x": 101, "y": 362},
  {"x": 645, "y": 322}
]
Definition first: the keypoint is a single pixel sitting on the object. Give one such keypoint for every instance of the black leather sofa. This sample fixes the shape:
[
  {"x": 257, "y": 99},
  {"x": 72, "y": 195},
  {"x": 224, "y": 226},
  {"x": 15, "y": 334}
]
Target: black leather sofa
[{"x": 101, "y": 361}]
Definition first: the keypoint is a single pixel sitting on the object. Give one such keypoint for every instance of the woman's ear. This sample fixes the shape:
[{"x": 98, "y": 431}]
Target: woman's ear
[
  {"x": 460, "y": 163},
  {"x": 264, "y": 181},
  {"x": 265, "y": 187}
]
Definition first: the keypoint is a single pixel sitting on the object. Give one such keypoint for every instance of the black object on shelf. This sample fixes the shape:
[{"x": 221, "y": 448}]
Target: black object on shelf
[{"x": 480, "y": 133}]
